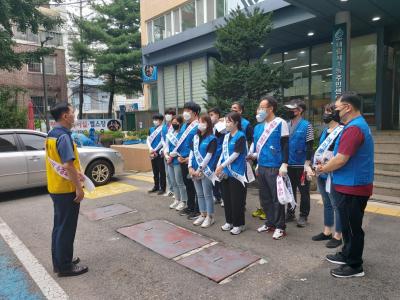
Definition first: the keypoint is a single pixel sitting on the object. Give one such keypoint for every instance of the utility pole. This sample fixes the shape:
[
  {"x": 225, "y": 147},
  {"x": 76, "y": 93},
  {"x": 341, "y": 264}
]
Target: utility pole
[
  {"x": 80, "y": 67},
  {"x": 46, "y": 104}
]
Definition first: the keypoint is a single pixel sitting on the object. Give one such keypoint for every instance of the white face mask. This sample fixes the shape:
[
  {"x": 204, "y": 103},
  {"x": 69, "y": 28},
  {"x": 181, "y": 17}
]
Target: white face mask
[
  {"x": 202, "y": 127},
  {"x": 156, "y": 122},
  {"x": 187, "y": 115},
  {"x": 168, "y": 118},
  {"x": 261, "y": 115}
]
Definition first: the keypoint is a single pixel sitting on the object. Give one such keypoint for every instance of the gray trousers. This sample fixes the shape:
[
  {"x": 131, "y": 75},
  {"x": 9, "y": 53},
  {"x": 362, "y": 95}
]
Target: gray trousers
[{"x": 269, "y": 198}]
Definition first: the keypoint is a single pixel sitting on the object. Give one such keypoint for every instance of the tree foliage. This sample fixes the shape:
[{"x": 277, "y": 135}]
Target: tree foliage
[
  {"x": 11, "y": 116},
  {"x": 25, "y": 15},
  {"x": 242, "y": 71},
  {"x": 112, "y": 41}
]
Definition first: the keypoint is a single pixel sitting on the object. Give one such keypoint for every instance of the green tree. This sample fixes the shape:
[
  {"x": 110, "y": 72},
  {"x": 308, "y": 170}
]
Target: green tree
[
  {"x": 25, "y": 15},
  {"x": 11, "y": 116},
  {"x": 242, "y": 71},
  {"x": 111, "y": 40}
]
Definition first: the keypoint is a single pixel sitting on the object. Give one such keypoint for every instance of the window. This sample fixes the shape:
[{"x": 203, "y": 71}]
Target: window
[
  {"x": 25, "y": 36},
  {"x": 168, "y": 25},
  {"x": 34, "y": 67},
  {"x": 7, "y": 143},
  {"x": 220, "y": 8},
  {"x": 177, "y": 22},
  {"x": 210, "y": 10},
  {"x": 49, "y": 65},
  {"x": 199, "y": 12},
  {"x": 158, "y": 28},
  {"x": 150, "y": 31},
  {"x": 188, "y": 16},
  {"x": 33, "y": 142},
  {"x": 154, "y": 97},
  {"x": 38, "y": 106}
]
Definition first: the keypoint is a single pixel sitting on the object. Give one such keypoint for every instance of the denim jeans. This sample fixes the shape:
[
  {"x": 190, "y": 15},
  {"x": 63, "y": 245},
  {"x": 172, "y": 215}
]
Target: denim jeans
[
  {"x": 169, "y": 184},
  {"x": 331, "y": 212},
  {"x": 177, "y": 184},
  {"x": 204, "y": 191}
]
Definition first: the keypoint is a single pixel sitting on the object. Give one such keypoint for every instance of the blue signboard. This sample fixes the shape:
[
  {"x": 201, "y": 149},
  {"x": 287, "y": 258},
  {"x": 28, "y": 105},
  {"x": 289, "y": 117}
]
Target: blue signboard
[
  {"x": 149, "y": 73},
  {"x": 339, "y": 50}
]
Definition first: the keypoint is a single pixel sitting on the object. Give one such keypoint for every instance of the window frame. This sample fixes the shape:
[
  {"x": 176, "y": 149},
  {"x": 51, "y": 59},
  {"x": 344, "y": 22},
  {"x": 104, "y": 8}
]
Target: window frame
[
  {"x": 16, "y": 142},
  {"x": 41, "y": 66},
  {"x": 22, "y": 143}
]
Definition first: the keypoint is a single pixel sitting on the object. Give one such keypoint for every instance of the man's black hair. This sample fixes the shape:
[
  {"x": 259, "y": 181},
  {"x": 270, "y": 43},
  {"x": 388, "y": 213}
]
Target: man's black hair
[
  {"x": 194, "y": 107},
  {"x": 352, "y": 98},
  {"x": 215, "y": 110},
  {"x": 158, "y": 117},
  {"x": 240, "y": 104},
  {"x": 271, "y": 102},
  {"x": 170, "y": 111},
  {"x": 59, "y": 109}
]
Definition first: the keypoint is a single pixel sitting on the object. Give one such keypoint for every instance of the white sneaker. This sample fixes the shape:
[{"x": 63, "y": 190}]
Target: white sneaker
[
  {"x": 181, "y": 206},
  {"x": 278, "y": 234},
  {"x": 222, "y": 203},
  {"x": 237, "y": 230},
  {"x": 264, "y": 228},
  {"x": 174, "y": 204},
  {"x": 200, "y": 219},
  {"x": 226, "y": 227},
  {"x": 208, "y": 222}
]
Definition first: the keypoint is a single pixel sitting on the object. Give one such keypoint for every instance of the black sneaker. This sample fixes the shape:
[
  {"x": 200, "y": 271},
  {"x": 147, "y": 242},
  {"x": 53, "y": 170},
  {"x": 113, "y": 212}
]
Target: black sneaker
[
  {"x": 321, "y": 237},
  {"x": 184, "y": 212},
  {"x": 290, "y": 217},
  {"x": 302, "y": 222},
  {"x": 74, "y": 271},
  {"x": 153, "y": 190},
  {"x": 333, "y": 243},
  {"x": 161, "y": 192},
  {"x": 75, "y": 261},
  {"x": 346, "y": 271},
  {"x": 336, "y": 258},
  {"x": 193, "y": 215}
]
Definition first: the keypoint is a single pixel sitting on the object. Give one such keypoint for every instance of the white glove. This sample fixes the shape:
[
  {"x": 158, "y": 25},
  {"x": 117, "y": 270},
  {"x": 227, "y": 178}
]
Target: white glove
[
  {"x": 283, "y": 170},
  {"x": 173, "y": 154}
]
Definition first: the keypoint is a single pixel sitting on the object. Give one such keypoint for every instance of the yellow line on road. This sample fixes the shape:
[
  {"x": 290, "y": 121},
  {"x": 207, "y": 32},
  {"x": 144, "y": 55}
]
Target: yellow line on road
[
  {"x": 111, "y": 189},
  {"x": 141, "y": 178}
]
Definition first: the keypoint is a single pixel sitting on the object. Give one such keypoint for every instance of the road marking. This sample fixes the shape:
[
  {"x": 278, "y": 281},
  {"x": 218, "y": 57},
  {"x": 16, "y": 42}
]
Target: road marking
[
  {"x": 46, "y": 283},
  {"x": 141, "y": 178},
  {"x": 111, "y": 189}
]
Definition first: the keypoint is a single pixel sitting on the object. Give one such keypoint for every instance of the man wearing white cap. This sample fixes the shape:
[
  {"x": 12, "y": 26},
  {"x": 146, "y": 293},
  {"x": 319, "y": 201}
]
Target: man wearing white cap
[{"x": 301, "y": 140}]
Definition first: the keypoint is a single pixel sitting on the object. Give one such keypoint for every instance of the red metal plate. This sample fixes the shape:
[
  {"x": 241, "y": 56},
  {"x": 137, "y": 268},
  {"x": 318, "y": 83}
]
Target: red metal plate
[
  {"x": 106, "y": 212},
  {"x": 164, "y": 238},
  {"x": 218, "y": 262}
]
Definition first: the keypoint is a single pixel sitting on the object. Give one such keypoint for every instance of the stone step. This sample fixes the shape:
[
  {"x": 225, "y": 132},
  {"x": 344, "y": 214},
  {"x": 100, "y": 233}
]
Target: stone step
[
  {"x": 387, "y": 189},
  {"x": 387, "y": 176},
  {"x": 391, "y": 157},
  {"x": 387, "y": 165},
  {"x": 385, "y": 199},
  {"x": 387, "y": 147},
  {"x": 387, "y": 138}
]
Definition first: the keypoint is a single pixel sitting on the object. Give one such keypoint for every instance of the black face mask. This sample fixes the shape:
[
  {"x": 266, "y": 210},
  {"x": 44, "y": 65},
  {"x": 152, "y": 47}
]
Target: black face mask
[
  {"x": 175, "y": 126},
  {"x": 327, "y": 118},
  {"x": 290, "y": 114}
]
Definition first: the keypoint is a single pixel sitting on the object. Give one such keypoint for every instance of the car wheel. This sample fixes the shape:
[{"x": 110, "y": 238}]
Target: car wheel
[{"x": 99, "y": 172}]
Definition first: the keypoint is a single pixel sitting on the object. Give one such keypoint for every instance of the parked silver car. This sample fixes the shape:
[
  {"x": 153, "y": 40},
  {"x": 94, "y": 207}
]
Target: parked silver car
[{"x": 22, "y": 160}]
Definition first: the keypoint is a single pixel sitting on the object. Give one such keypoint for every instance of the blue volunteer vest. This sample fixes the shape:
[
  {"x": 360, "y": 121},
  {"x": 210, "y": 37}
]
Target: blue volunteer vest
[
  {"x": 239, "y": 165},
  {"x": 157, "y": 140},
  {"x": 220, "y": 141},
  {"x": 184, "y": 148},
  {"x": 297, "y": 144},
  {"x": 203, "y": 144},
  {"x": 244, "y": 123},
  {"x": 164, "y": 131},
  {"x": 322, "y": 138},
  {"x": 271, "y": 152},
  {"x": 359, "y": 169}
]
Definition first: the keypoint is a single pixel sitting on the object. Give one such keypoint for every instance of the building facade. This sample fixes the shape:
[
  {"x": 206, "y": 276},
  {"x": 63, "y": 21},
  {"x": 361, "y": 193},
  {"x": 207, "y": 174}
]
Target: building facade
[{"x": 178, "y": 37}]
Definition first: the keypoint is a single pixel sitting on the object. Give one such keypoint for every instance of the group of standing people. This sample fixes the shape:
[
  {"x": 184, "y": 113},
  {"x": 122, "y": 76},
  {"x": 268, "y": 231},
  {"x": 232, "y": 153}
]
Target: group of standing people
[{"x": 209, "y": 158}]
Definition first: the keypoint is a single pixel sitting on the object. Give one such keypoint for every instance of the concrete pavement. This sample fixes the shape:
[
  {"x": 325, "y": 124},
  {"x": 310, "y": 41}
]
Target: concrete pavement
[{"x": 123, "y": 269}]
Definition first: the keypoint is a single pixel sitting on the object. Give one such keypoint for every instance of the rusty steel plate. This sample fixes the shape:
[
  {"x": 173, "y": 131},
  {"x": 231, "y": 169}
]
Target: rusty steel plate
[
  {"x": 164, "y": 238},
  {"x": 107, "y": 212},
  {"x": 218, "y": 262}
]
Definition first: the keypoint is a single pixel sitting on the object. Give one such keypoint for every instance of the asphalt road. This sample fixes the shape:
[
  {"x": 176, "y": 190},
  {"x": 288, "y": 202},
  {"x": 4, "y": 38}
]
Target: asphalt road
[{"x": 123, "y": 269}]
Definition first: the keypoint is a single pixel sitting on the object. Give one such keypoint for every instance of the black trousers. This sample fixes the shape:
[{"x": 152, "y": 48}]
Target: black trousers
[
  {"x": 191, "y": 191},
  {"x": 351, "y": 210},
  {"x": 234, "y": 195},
  {"x": 295, "y": 179},
  {"x": 157, "y": 164},
  {"x": 217, "y": 190},
  {"x": 269, "y": 198},
  {"x": 66, "y": 213}
]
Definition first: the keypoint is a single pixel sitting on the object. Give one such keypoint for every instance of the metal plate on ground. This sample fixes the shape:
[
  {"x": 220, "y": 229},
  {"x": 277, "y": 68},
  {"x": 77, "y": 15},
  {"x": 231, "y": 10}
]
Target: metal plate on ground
[
  {"x": 218, "y": 262},
  {"x": 107, "y": 212},
  {"x": 164, "y": 238}
]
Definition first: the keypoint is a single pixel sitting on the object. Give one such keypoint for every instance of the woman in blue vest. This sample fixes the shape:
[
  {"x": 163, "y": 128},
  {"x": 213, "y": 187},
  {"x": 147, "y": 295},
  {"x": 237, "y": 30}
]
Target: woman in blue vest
[
  {"x": 232, "y": 170},
  {"x": 174, "y": 167},
  {"x": 202, "y": 163},
  {"x": 331, "y": 214},
  {"x": 166, "y": 128}
]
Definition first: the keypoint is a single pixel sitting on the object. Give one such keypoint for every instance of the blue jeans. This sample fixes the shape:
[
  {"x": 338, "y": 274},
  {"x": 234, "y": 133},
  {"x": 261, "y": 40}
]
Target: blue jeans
[
  {"x": 169, "y": 184},
  {"x": 331, "y": 212},
  {"x": 204, "y": 191},
  {"x": 177, "y": 184}
]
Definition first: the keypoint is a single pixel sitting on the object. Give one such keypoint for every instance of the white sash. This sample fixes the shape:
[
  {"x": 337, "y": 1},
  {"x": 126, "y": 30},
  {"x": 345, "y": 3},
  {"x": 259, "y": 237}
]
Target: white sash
[
  {"x": 267, "y": 132},
  {"x": 171, "y": 137},
  {"x": 154, "y": 135},
  {"x": 284, "y": 191},
  {"x": 225, "y": 153},
  {"x": 323, "y": 154},
  {"x": 199, "y": 159},
  {"x": 60, "y": 170},
  {"x": 185, "y": 134}
]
